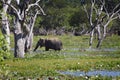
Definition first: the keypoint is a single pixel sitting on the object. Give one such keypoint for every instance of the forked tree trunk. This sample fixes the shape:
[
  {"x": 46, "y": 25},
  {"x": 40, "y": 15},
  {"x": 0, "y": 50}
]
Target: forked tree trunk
[
  {"x": 29, "y": 36},
  {"x": 101, "y": 20},
  {"x": 21, "y": 29}
]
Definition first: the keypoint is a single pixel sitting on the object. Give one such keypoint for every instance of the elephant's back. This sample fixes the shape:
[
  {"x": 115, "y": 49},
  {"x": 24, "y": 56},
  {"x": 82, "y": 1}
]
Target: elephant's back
[{"x": 53, "y": 43}]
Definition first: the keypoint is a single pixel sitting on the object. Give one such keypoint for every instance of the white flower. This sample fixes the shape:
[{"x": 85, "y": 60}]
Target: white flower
[
  {"x": 96, "y": 76},
  {"x": 101, "y": 65},
  {"x": 118, "y": 65}
]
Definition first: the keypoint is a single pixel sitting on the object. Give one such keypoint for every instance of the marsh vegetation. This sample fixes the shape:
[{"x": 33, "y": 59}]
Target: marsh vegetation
[{"x": 75, "y": 56}]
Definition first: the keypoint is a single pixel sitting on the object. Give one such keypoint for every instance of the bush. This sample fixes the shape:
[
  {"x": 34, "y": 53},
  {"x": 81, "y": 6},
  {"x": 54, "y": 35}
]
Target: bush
[{"x": 4, "y": 53}]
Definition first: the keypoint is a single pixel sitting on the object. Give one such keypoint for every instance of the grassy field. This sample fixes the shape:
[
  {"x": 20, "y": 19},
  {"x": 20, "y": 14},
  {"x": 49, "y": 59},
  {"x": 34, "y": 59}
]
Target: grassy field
[{"x": 75, "y": 56}]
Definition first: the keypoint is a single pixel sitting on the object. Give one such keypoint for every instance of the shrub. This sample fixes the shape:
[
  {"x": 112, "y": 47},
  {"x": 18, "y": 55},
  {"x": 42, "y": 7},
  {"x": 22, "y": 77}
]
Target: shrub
[{"x": 4, "y": 53}]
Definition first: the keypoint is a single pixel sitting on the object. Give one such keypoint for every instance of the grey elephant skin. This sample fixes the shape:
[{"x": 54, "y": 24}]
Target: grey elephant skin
[{"x": 52, "y": 43}]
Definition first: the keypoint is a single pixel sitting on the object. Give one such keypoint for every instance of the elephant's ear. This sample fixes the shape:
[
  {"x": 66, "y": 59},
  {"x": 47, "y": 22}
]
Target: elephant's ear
[
  {"x": 39, "y": 41},
  {"x": 42, "y": 40}
]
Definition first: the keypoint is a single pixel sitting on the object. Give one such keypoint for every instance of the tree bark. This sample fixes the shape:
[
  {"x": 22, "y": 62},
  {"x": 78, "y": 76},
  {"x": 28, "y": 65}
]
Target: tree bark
[
  {"x": 28, "y": 42},
  {"x": 19, "y": 40},
  {"x": 99, "y": 36},
  {"x": 91, "y": 38},
  {"x": 29, "y": 36},
  {"x": 5, "y": 24}
]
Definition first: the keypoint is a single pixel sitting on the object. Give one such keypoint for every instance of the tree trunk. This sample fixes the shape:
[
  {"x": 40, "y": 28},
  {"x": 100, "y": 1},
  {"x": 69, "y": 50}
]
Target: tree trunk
[
  {"x": 5, "y": 24},
  {"x": 19, "y": 40},
  {"x": 99, "y": 36},
  {"x": 28, "y": 42},
  {"x": 29, "y": 36},
  {"x": 91, "y": 38}
]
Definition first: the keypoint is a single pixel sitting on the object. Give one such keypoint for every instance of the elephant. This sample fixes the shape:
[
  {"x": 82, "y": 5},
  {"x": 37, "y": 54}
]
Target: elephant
[{"x": 52, "y": 43}]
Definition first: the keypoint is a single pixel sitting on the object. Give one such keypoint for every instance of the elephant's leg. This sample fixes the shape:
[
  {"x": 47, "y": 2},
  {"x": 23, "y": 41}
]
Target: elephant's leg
[
  {"x": 37, "y": 45},
  {"x": 59, "y": 49},
  {"x": 46, "y": 49}
]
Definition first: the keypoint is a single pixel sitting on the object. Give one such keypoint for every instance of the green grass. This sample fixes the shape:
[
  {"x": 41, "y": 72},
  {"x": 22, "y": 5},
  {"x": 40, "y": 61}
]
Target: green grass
[
  {"x": 47, "y": 67},
  {"x": 74, "y": 56}
]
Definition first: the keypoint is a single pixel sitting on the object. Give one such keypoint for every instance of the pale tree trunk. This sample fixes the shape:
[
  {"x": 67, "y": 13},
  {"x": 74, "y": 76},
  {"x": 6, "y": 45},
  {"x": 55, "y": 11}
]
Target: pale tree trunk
[
  {"x": 29, "y": 36},
  {"x": 19, "y": 40},
  {"x": 28, "y": 42},
  {"x": 91, "y": 38},
  {"x": 99, "y": 36},
  {"x": 90, "y": 17},
  {"x": 5, "y": 24}
]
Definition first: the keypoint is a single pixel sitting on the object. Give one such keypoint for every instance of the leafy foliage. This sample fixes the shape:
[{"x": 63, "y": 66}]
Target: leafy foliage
[
  {"x": 59, "y": 13},
  {"x": 4, "y": 53},
  {"x": 78, "y": 18}
]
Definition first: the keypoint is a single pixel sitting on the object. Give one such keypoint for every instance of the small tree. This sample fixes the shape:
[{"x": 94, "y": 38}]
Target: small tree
[
  {"x": 23, "y": 24},
  {"x": 103, "y": 17}
]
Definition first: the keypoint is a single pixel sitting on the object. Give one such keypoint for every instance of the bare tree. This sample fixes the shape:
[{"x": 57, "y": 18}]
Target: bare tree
[
  {"x": 102, "y": 19},
  {"x": 5, "y": 23},
  {"x": 23, "y": 24}
]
